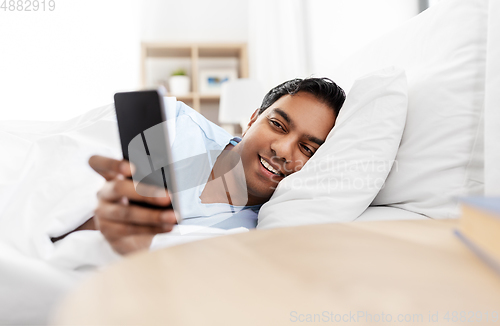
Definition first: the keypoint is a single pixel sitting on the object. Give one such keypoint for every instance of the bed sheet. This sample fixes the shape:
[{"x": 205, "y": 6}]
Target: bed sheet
[{"x": 386, "y": 213}]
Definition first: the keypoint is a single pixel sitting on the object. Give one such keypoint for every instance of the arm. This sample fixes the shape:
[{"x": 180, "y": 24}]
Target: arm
[{"x": 125, "y": 226}]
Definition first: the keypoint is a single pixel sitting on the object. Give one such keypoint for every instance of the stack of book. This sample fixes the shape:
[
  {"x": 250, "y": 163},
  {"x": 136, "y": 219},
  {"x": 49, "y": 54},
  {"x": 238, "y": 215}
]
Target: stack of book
[{"x": 480, "y": 228}]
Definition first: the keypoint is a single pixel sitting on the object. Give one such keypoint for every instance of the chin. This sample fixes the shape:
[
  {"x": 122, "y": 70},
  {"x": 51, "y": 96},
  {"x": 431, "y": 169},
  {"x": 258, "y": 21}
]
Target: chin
[{"x": 260, "y": 195}]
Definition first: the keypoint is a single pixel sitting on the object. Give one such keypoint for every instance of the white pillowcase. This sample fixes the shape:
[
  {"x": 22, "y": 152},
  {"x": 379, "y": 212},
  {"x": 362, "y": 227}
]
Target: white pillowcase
[
  {"x": 441, "y": 155},
  {"x": 339, "y": 182}
]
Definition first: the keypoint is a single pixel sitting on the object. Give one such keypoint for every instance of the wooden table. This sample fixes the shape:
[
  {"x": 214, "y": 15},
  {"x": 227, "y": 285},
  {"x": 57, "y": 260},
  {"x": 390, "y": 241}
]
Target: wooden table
[{"x": 415, "y": 272}]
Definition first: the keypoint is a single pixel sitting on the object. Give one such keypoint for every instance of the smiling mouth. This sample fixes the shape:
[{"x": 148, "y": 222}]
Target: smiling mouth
[{"x": 269, "y": 168}]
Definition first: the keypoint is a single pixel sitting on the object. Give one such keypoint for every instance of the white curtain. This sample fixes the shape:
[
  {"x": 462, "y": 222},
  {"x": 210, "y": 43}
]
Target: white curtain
[{"x": 277, "y": 40}]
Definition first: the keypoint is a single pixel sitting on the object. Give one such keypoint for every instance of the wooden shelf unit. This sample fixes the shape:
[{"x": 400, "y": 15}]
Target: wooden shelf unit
[{"x": 195, "y": 52}]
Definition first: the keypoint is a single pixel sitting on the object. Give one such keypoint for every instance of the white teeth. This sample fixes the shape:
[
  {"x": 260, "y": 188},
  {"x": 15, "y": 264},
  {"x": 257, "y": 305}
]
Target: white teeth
[{"x": 269, "y": 167}]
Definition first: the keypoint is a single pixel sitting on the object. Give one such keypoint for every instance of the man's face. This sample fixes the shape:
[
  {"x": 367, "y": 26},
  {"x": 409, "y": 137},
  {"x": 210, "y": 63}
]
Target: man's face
[{"x": 281, "y": 140}]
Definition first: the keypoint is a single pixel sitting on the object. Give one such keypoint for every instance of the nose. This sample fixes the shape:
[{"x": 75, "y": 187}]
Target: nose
[{"x": 282, "y": 149}]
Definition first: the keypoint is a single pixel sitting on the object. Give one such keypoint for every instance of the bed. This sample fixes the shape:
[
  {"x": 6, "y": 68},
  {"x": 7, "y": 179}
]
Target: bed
[{"x": 446, "y": 62}]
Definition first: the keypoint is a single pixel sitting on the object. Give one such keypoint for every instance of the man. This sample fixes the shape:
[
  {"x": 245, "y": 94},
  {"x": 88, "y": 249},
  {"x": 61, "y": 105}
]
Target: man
[{"x": 289, "y": 127}]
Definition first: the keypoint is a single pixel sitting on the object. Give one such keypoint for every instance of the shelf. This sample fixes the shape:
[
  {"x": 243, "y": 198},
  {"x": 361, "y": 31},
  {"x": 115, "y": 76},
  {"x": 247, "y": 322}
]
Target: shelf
[
  {"x": 187, "y": 97},
  {"x": 168, "y": 52},
  {"x": 209, "y": 97},
  {"x": 194, "y": 52},
  {"x": 220, "y": 50}
]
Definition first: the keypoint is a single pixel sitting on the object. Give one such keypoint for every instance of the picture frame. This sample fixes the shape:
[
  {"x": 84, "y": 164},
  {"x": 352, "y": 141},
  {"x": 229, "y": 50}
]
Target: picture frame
[{"x": 211, "y": 80}]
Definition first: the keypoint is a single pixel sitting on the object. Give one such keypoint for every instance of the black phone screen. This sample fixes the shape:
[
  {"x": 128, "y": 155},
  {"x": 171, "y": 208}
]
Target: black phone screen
[{"x": 144, "y": 137}]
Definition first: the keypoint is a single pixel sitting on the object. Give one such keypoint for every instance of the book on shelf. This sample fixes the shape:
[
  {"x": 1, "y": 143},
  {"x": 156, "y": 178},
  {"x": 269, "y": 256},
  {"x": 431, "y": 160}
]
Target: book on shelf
[{"x": 480, "y": 228}]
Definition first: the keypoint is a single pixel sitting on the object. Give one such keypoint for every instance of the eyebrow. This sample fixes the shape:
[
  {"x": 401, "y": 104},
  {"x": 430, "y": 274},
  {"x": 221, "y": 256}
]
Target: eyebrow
[
  {"x": 315, "y": 140},
  {"x": 285, "y": 117}
]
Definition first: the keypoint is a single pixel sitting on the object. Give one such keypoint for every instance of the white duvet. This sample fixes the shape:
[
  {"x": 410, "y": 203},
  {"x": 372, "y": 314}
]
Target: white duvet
[{"x": 46, "y": 190}]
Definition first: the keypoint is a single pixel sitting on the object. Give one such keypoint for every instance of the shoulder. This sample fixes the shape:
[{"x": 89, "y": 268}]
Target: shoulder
[
  {"x": 185, "y": 115},
  {"x": 246, "y": 218}
]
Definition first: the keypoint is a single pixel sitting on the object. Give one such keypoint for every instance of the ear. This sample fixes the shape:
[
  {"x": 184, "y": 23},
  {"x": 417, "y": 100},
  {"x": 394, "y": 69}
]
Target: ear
[{"x": 253, "y": 118}]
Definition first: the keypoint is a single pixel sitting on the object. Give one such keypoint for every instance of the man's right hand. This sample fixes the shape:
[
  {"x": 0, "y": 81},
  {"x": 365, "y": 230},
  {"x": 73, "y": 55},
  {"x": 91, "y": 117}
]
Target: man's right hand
[{"x": 125, "y": 226}]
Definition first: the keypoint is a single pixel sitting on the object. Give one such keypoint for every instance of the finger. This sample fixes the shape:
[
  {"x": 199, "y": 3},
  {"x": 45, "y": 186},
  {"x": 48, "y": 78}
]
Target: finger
[
  {"x": 113, "y": 230},
  {"x": 110, "y": 168},
  {"x": 133, "y": 214},
  {"x": 107, "y": 167},
  {"x": 132, "y": 243},
  {"x": 118, "y": 188}
]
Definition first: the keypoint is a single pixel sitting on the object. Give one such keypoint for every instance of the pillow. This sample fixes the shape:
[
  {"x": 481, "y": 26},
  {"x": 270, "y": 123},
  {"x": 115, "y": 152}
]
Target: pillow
[
  {"x": 339, "y": 182},
  {"x": 441, "y": 156}
]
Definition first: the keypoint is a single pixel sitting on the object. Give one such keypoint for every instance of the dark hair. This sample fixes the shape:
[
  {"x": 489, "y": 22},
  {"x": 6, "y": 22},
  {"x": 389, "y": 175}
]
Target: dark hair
[{"x": 324, "y": 89}]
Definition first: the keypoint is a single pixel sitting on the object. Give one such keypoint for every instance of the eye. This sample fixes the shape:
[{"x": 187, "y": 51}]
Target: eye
[
  {"x": 307, "y": 150},
  {"x": 276, "y": 124}
]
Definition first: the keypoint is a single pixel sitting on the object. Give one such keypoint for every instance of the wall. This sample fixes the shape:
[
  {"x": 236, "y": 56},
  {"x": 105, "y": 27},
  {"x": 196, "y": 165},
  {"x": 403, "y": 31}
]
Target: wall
[
  {"x": 59, "y": 64},
  {"x": 191, "y": 21},
  {"x": 194, "y": 20}
]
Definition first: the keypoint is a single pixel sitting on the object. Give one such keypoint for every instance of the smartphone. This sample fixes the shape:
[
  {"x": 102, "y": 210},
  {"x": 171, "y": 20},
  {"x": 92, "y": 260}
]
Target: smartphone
[{"x": 144, "y": 138}]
